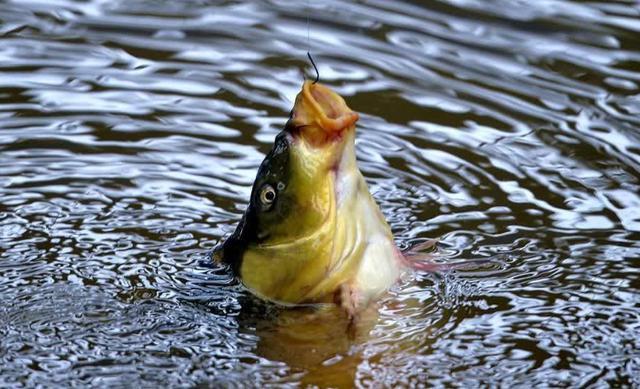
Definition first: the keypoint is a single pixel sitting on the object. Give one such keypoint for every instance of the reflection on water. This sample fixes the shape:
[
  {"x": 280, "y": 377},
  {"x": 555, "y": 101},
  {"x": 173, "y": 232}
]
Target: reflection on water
[{"x": 131, "y": 131}]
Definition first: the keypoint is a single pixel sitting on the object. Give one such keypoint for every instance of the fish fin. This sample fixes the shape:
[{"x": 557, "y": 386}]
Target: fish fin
[
  {"x": 423, "y": 262},
  {"x": 416, "y": 259},
  {"x": 348, "y": 299},
  {"x": 423, "y": 246}
]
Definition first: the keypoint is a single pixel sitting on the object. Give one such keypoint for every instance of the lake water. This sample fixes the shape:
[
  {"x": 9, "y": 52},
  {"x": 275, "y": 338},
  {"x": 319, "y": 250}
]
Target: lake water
[{"x": 131, "y": 132}]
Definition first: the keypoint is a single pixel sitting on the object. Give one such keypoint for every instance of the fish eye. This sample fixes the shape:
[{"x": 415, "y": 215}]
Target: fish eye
[{"x": 267, "y": 195}]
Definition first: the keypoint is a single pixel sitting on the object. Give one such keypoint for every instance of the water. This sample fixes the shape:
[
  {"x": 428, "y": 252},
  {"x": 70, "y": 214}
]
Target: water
[{"x": 131, "y": 131}]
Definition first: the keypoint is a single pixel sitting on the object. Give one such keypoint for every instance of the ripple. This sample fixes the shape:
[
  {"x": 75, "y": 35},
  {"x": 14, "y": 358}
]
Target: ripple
[{"x": 130, "y": 134}]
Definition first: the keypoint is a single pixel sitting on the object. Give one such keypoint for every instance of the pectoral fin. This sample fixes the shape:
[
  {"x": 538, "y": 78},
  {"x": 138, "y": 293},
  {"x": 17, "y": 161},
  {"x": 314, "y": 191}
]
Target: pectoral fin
[{"x": 416, "y": 259}]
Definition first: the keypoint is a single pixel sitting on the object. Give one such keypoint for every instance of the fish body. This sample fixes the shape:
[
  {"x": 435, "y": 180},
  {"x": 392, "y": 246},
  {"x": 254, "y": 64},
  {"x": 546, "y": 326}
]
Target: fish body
[{"x": 312, "y": 232}]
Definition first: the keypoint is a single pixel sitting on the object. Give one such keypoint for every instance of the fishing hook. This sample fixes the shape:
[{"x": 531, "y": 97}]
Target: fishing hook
[{"x": 314, "y": 67}]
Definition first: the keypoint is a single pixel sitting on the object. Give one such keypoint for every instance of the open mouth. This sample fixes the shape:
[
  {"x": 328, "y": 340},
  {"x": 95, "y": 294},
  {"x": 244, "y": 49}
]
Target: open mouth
[{"x": 320, "y": 115}]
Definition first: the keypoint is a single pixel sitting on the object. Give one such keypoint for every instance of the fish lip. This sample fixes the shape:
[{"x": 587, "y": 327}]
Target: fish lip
[{"x": 321, "y": 114}]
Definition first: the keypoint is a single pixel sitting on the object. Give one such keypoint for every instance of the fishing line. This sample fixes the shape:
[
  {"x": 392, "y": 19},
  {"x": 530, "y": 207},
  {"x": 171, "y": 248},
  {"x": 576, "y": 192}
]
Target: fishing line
[{"x": 309, "y": 47}]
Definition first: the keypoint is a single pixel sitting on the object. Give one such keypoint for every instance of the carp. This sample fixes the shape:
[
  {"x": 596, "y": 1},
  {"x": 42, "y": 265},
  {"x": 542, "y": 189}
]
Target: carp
[{"x": 312, "y": 232}]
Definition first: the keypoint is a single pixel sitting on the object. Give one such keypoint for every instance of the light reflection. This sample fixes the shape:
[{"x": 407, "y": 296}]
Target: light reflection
[{"x": 130, "y": 134}]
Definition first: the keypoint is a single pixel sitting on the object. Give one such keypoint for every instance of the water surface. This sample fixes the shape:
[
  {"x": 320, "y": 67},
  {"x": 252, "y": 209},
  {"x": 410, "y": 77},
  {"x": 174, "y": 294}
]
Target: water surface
[{"x": 131, "y": 131}]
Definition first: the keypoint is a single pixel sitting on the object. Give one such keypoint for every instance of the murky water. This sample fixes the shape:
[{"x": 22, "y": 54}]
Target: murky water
[{"x": 131, "y": 131}]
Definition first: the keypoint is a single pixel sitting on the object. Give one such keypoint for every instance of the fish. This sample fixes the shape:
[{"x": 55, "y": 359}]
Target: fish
[{"x": 312, "y": 233}]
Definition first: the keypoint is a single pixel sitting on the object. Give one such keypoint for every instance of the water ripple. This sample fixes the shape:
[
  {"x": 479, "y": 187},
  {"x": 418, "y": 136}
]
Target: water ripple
[{"x": 130, "y": 134}]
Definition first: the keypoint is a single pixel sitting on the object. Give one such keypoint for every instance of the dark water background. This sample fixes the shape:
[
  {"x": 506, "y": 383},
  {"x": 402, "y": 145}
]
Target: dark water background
[{"x": 130, "y": 133}]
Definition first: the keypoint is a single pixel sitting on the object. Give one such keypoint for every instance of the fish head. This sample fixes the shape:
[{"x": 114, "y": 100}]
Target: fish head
[{"x": 282, "y": 246}]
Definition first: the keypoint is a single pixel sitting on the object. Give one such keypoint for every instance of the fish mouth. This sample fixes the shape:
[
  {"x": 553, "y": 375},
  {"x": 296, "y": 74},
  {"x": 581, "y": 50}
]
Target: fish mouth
[{"x": 320, "y": 115}]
